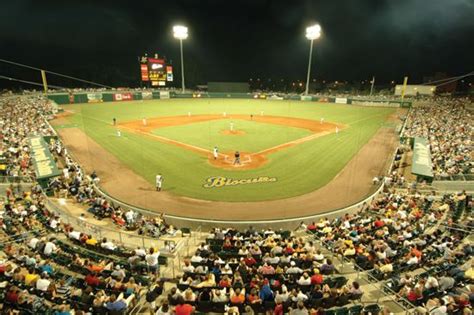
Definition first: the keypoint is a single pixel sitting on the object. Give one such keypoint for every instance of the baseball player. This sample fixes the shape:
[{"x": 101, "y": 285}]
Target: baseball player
[
  {"x": 144, "y": 121},
  {"x": 114, "y": 121},
  {"x": 237, "y": 158},
  {"x": 322, "y": 120},
  {"x": 231, "y": 126},
  {"x": 337, "y": 130},
  {"x": 159, "y": 182},
  {"x": 119, "y": 133},
  {"x": 215, "y": 152}
]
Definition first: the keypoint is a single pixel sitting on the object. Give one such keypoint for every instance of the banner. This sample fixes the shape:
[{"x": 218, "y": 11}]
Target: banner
[
  {"x": 341, "y": 100},
  {"x": 94, "y": 97},
  {"x": 375, "y": 103},
  {"x": 43, "y": 161},
  {"x": 147, "y": 95},
  {"x": 306, "y": 98},
  {"x": 123, "y": 97},
  {"x": 164, "y": 94},
  {"x": 421, "y": 160}
]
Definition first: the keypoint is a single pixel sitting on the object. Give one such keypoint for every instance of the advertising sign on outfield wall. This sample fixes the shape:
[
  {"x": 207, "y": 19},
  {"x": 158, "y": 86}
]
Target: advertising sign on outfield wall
[
  {"x": 123, "y": 97},
  {"x": 164, "y": 94},
  {"x": 147, "y": 95},
  {"x": 341, "y": 100},
  {"x": 94, "y": 97}
]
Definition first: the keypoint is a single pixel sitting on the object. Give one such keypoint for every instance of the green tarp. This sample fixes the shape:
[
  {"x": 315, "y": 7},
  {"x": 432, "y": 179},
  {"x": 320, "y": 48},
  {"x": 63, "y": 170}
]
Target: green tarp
[
  {"x": 44, "y": 164},
  {"x": 421, "y": 161}
]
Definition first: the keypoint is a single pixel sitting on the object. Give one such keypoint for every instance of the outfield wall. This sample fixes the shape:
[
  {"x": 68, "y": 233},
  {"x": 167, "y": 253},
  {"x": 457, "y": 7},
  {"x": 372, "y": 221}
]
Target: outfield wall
[{"x": 118, "y": 96}]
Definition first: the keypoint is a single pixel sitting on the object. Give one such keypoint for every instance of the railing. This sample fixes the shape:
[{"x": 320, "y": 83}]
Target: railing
[
  {"x": 16, "y": 180},
  {"x": 457, "y": 177},
  {"x": 127, "y": 239}
]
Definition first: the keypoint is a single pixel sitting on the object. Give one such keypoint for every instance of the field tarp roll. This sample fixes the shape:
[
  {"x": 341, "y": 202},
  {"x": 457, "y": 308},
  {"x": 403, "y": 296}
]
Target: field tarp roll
[{"x": 421, "y": 161}]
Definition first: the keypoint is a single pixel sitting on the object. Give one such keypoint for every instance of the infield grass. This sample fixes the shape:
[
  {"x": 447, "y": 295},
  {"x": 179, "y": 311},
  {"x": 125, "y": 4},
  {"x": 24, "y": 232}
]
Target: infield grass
[
  {"x": 256, "y": 136},
  {"x": 299, "y": 169}
]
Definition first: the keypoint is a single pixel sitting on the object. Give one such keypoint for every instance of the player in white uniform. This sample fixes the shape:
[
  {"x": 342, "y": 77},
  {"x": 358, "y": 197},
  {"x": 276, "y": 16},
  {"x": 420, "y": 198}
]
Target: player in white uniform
[
  {"x": 144, "y": 121},
  {"x": 215, "y": 152},
  {"x": 119, "y": 133},
  {"x": 322, "y": 120},
  {"x": 231, "y": 126},
  {"x": 159, "y": 182}
]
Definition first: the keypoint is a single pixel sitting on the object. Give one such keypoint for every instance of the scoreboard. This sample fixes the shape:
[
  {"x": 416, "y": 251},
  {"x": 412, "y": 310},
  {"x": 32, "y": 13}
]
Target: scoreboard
[{"x": 156, "y": 71}]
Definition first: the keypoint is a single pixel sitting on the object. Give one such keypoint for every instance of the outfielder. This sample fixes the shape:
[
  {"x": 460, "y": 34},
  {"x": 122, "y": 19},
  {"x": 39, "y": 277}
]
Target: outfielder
[
  {"x": 215, "y": 152},
  {"x": 159, "y": 182}
]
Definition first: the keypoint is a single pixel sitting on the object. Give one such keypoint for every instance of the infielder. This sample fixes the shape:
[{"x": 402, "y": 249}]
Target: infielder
[
  {"x": 231, "y": 126},
  {"x": 114, "y": 121},
  {"x": 337, "y": 130},
  {"x": 144, "y": 121},
  {"x": 215, "y": 152},
  {"x": 119, "y": 134},
  {"x": 322, "y": 120},
  {"x": 159, "y": 182}
]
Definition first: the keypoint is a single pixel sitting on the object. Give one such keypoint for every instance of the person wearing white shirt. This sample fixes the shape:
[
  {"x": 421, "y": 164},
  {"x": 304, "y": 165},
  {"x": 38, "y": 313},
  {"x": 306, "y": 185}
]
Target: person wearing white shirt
[
  {"x": 431, "y": 283},
  {"x": 43, "y": 283},
  {"x": 54, "y": 223},
  {"x": 32, "y": 243},
  {"x": 152, "y": 259},
  {"x": 76, "y": 235},
  {"x": 188, "y": 267},
  {"x": 304, "y": 279},
  {"x": 107, "y": 244},
  {"x": 140, "y": 252},
  {"x": 293, "y": 269},
  {"x": 196, "y": 259},
  {"x": 130, "y": 216},
  {"x": 49, "y": 248},
  {"x": 412, "y": 260}
]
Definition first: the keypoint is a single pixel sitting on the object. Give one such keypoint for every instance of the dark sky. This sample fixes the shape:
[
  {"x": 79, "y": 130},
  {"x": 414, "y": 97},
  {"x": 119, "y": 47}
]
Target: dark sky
[{"x": 238, "y": 40}]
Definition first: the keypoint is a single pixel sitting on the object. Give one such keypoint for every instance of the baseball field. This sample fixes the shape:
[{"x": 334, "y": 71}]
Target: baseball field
[{"x": 287, "y": 148}]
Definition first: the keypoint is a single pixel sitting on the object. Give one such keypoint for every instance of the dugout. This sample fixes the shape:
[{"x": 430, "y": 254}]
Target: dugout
[{"x": 228, "y": 87}]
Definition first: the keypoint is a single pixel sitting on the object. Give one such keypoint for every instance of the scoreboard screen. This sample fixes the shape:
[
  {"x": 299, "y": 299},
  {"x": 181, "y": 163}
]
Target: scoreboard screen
[{"x": 156, "y": 71}]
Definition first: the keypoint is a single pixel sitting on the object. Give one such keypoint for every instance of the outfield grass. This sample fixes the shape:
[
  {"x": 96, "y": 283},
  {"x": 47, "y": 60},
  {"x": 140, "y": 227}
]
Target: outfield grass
[
  {"x": 257, "y": 136},
  {"x": 299, "y": 169}
]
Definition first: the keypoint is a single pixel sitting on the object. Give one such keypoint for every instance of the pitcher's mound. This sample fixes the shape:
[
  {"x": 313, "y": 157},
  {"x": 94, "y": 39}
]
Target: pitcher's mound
[{"x": 233, "y": 132}]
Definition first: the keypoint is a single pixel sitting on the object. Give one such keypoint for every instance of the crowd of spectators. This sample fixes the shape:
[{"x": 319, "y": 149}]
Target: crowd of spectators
[
  {"x": 46, "y": 263},
  {"x": 447, "y": 124}
]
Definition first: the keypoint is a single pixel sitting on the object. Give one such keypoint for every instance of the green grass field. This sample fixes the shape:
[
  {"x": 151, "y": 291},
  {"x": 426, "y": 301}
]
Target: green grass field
[
  {"x": 208, "y": 134},
  {"x": 299, "y": 169}
]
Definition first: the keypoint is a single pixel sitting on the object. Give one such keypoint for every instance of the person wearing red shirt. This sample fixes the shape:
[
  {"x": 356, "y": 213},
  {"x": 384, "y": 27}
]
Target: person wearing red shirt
[
  {"x": 182, "y": 308},
  {"x": 378, "y": 223},
  {"x": 316, "y": 278},
  {"x": 92, "y": 279},
  {"x": 249, "y": 260},
  {"x": 12, "y": 295}
]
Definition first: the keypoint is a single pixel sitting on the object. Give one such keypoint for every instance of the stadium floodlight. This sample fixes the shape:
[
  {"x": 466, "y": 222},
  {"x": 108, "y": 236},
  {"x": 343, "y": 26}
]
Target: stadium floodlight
[
  {"x": 181, "y": 32},
  {"x": 312, "y": 32}
]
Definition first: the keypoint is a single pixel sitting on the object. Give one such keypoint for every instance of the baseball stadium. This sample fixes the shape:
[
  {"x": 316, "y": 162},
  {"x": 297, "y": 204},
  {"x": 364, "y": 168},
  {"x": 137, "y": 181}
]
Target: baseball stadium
[{"x": 154, "y": 187}]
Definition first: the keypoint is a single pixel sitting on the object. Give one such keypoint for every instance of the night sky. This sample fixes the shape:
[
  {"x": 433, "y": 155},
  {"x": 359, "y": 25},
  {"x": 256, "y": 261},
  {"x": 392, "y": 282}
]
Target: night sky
[{"x": 238, "y": 40}]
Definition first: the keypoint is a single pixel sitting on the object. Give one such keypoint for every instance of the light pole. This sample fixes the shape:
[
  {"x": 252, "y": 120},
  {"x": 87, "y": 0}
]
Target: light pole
[
  {"x": 181, "y": 32},
  {"x": 312, "y": 33}
]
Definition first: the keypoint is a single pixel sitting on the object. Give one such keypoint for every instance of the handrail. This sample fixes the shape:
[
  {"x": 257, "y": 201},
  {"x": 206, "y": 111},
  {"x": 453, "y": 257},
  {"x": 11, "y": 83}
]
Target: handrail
[{"x": 214, "y": 221}]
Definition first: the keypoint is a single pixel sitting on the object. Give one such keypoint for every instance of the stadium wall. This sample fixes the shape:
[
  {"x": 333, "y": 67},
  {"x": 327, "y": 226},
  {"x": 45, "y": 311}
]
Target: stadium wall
[{"x": 99, "y": 97}]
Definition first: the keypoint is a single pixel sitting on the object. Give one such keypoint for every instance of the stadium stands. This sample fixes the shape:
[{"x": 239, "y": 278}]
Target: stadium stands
[{"x": 416, "y": 247}]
